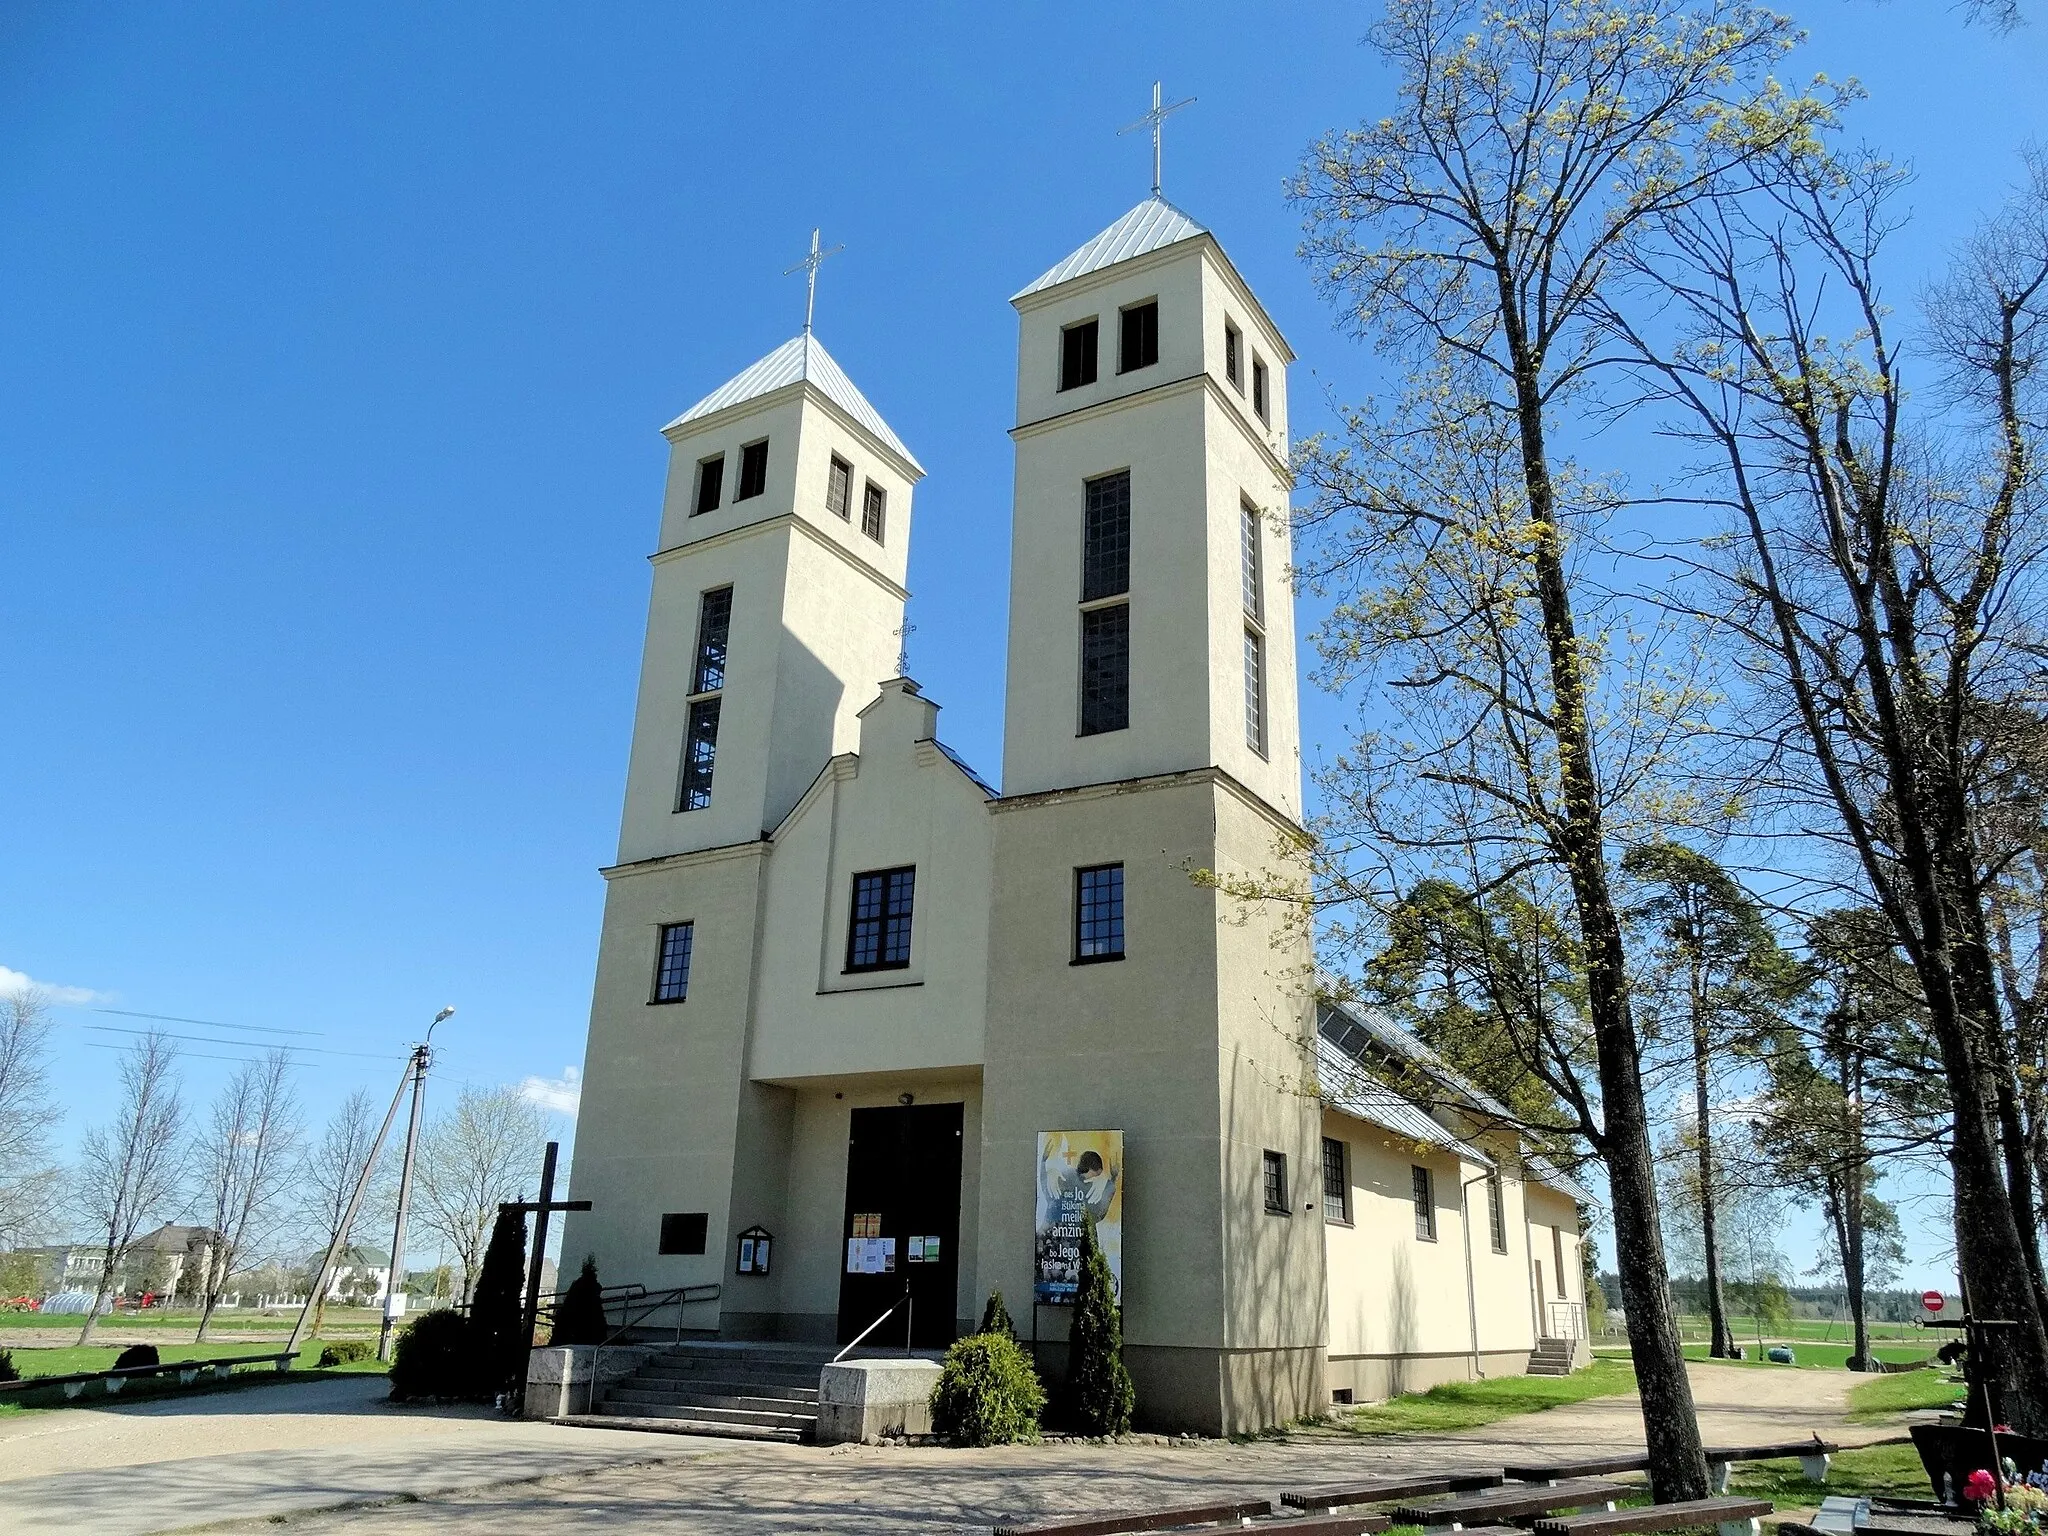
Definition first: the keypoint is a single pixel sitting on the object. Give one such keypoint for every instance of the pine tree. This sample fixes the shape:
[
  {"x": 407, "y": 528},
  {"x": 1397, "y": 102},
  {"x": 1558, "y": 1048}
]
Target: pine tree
[
  {"x": 1100, "y": 1397},
  {"x": 497, "y": 1308},
  {"x": 579, "y": 1315},
  {"x": 995, "y": 1317}
]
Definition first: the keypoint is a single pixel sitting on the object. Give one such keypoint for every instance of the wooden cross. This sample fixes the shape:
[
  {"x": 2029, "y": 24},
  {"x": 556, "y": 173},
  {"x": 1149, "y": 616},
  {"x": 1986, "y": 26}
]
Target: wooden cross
[
  {"x": 1152, "y": 120},
  {"x": 545, "y": 1206},
  {"x": 809, "y": 267}
]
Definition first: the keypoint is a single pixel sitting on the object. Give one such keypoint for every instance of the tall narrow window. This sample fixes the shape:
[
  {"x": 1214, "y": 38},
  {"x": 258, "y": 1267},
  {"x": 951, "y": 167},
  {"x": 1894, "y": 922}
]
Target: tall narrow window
[
  {"x": 1233, "y": 356},
  {"x": 1259, "y": 402},
  {"x": 839, "y": 488},
  {"x": 1249, "y": 562},
  {"x": 714, "y": 629},
  {"x": 700, "y": 747},
  {"x": 874, "y": 508},
  {"x": 1077, "y": 354},
  {"x": 878, "y": 937},
  {"x": 1099, "y": 913},
  {"x": 1425, "y": 1203},
  {"x": 672, "y": 962},
  {"x": 1255, "y": 690},
  {"x": 1557, "y": 1251},
  {"x": 1336, "y": 1182},
  {"x": 1496, "y": 1213},
  {"x": 710, "y": 484},
  {"x": 1106, "y": 537},
  {"x": 1105, "y": 669},
  {"x": 1276, "y": 1183},
  {"x": 1138, "y": 337},
  {"x": 753, "y": 470}
]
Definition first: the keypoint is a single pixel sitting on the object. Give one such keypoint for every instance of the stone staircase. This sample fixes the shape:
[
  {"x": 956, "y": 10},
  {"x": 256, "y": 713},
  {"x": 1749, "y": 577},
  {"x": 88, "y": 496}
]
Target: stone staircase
[
  {"x": 742, "y": 1391},
  {"x": 1551, "y": 1357}
]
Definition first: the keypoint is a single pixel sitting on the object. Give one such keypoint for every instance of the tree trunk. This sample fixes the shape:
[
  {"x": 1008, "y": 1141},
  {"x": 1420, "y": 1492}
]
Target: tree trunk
[
  {"x": 1671, "y": 1431},
  {"x": 1722, "y": 1345}
]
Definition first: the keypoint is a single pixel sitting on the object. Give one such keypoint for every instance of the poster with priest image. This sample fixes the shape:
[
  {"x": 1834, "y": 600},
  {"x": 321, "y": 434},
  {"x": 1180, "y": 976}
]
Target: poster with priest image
[{"x": 1080, "y": 1178}]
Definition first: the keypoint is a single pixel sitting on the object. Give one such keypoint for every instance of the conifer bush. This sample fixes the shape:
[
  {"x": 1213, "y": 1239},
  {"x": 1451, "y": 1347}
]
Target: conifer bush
[
  {"x": 579, "y": 1315},
  {"x": 435, "y": 1359},
  {"x": 1099, "y": 1398},
  {"x": 8, "y": 1370},
  {"x": 497, "y": 1309},
  {"x": 995, "y": 1317},
  {"x": 988, "y": 1394},
  {"x": 345, "y": 1352}
]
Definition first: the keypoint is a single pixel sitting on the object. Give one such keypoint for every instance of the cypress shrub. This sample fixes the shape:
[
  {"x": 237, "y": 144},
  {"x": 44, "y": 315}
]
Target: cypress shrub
[
  {"x": 497, "y": 1307},
  {"x": 435, "y": 1359},
  {"x": 579, "y": 1315},
  {"x": 988, "y": 1394},
  {"x": 137, "y": 1354},
  {"x": 1099, "y": 1397},
  {"x": 995, "y": 1317},
  {"x": 8, "y": 1370}
]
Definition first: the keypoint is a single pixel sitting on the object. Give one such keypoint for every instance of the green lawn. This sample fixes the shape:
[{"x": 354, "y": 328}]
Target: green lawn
[
  {"x": 1882, "y": 1396},
  {"x": 1464, "y": 1404},
  {"x": 66, "y": 1362},
  {"x": 339, "y": 1321},
  {"x": 1805, "y": 1356},
  {"x": 1817, "y": 1329},
  {"x": 1892, "y": 1470}
]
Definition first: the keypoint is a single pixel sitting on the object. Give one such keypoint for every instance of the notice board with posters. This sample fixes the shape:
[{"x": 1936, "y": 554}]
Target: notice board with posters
[{"x": 1080, "y": 1179}]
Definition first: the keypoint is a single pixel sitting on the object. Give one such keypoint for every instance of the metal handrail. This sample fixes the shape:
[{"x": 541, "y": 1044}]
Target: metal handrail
[
  {"x": 653, "y": 1301},
  {"x": 900, "y": 1301}
]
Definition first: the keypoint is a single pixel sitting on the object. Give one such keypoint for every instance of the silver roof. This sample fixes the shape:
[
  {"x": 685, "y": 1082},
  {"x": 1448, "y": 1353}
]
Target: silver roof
[
  {"x": 1348, "y": 1087},
  {"x": 801, "y": 359},
  {"x": 1151, "y": 225}
]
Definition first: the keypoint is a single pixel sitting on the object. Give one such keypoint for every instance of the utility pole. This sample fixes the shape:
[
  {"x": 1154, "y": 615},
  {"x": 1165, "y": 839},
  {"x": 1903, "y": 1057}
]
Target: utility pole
[{"x": 394, "y": 1293}]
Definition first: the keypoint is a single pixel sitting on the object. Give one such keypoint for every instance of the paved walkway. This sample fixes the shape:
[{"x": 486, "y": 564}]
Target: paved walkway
[{"x": 296, "y": 1451}]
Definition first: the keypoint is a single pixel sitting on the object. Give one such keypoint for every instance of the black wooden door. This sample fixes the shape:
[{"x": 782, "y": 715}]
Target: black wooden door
[{"x": 902, "y": 1226}]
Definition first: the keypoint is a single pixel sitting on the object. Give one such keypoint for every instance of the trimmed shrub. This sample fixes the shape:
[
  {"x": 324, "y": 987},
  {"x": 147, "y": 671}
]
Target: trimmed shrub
[
  {"x": 346, "y": 1352},
  {"x": 8, "y": 1370},
  {"x": 497, "y": 1309},
  {"x": 988, "y": 1394},
  {"x": 137, "y": 1354},
  {"x": 995, "y": 1317},
  {"x": 579, "y": 1315},
  {"x": 1099, "y": 1397},
  {"x": 435, "y": 1360}
]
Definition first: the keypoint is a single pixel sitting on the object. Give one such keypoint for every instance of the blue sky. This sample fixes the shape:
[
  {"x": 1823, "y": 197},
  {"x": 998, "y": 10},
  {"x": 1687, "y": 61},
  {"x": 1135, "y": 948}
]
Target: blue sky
[{"x": 334, "y": 341}]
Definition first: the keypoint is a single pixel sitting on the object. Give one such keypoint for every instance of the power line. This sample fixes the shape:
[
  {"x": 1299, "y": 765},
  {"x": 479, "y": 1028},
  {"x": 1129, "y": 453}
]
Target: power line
[
  {"x": 316, "y": 1050},
  {"x": 172, "y": 1018}
]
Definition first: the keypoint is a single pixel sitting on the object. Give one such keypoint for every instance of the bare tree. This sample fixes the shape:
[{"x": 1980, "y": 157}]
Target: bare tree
[
  {"x": 245, "y": 1165},
  {"x": 1471, "y": 230},
  {"x": 1882, "y": 583},
  {"x": 29, "y": 1183},
  {"x": 327, "y": 1178},
  {"x": 484, "y": 1151},
  {"x": 129, "y": 1170}
]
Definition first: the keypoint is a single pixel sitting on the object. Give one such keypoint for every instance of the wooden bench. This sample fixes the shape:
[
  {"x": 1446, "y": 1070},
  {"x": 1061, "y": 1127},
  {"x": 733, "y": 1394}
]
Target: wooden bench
[
  {"x": 1384, "y": 1490},
  {"x": 1813, "y": 1460},
  {"x": 1238, "y": 1511},
  {"x": 1333, "y": 1525},
  {"x": 1517, "y": 1502},
  {"x": 1735, "y": 1517}
]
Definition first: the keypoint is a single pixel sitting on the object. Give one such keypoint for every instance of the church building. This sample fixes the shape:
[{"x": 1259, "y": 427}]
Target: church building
[{"x": 870, "y": 1033}]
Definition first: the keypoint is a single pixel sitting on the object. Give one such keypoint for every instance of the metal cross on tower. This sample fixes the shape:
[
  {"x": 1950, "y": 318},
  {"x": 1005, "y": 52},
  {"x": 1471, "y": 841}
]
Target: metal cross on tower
[
  {"x": 1152, "y": 120},
  {"x": 809, "y": 267}
]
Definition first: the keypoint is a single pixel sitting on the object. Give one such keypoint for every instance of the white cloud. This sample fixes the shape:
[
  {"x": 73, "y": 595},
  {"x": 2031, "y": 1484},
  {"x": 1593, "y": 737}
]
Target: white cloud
[
  {"x": 560, "y": 1095},
  {"x": 20, "y": 981}
]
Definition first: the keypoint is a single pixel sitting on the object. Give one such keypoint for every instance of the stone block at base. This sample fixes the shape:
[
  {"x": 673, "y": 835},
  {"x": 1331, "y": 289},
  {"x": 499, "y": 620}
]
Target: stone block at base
[
  {"x": 864, "y": 1400},
  {"x": 566, "y": 1380}
]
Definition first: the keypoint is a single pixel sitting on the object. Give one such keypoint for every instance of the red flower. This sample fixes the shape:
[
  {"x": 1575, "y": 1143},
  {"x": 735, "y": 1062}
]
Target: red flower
[{"x": 1980, "y": 1487}]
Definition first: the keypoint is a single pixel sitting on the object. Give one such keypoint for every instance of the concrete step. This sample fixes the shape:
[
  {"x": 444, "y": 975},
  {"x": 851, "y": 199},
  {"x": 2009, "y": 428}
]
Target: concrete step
[
  {"x": 667, "y": 1426},
  {"x": 698, "y": 1413},
  {"x": 1549, "y": 1368},
  {"x": 775, "y": 1376},
  {"x": 628, "y": 1392},
  {"x": 765, "y": 1354},
  {"x": 729, "y": 1386}
]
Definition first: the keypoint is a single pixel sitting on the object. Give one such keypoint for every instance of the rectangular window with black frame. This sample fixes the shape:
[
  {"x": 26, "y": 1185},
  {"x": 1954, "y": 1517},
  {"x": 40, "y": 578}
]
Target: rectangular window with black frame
[
  {"x": 700, "y": 750},
  {"x": 1077, "y": 354},
  {"x": 1106, "y": 536},
  {"x": 1496, "y": 1213},
  {"x": 874, "y": 510},
  {"x": 714, "y": 629},
  {"x": 1276, "y": 1183},
  {"x": 672, "y": 962},
  {"x": 878, "y": 936},
  {"x": 839, "y": 489},
  {"x": 1425, "y": 1203},
  {"x": 1105, "y": 669},
  {"x": 1098, "y": 913},
  {"x": 753, "y": 470},
  {"x": 1138, "y": 337},
  {"x": 710, "y": 484},
  {"x": 1336, "y": 1182}
]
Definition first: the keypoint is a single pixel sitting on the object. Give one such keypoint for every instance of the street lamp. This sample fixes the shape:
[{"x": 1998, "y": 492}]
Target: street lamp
[{"x": 394, "y": 1296}]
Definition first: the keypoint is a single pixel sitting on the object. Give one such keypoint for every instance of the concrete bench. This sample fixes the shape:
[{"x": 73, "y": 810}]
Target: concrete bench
[
  {"x": 1385, "y": 1490},
  {"x": 1734, "y": 1517},
  {"x": 111, "y": 1381},
  {"x": 1507, "y": 1504},
  {"x": 1238, "y": 1511}
]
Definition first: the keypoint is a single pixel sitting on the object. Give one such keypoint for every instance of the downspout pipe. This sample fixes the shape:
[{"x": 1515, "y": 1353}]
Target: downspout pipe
[{"x": 1471, "y": 1287}]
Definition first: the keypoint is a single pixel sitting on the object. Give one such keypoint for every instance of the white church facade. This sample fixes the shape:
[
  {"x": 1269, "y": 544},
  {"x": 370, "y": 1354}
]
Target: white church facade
[{"x": 845, "y": 985}]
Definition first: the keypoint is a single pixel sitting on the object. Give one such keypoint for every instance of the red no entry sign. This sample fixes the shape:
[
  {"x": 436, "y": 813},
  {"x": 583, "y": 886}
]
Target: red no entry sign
[{"x": 1933, "y": 1301}]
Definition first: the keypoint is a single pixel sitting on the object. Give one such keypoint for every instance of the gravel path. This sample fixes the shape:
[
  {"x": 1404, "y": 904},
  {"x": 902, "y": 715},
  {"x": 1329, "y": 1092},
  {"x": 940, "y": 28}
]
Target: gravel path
[{"x": 293, "y": 1453}]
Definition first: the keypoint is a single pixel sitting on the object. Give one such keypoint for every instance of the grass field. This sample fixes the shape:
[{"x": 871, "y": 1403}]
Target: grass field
[
  {"x": 32, "y": 1363},
  {"x": 1805, "y": 1356},
  {"x": 1882, "y": 1396},
  {"x": 1464, "y": 1404},
  {"x": 1891, "y": 1470},
  {"x": 339, "y": 1321}
]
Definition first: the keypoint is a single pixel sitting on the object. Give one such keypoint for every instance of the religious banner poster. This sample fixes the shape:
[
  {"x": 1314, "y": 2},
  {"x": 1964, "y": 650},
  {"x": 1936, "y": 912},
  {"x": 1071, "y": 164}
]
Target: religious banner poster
[{"x": 1080, "y": 1178}]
